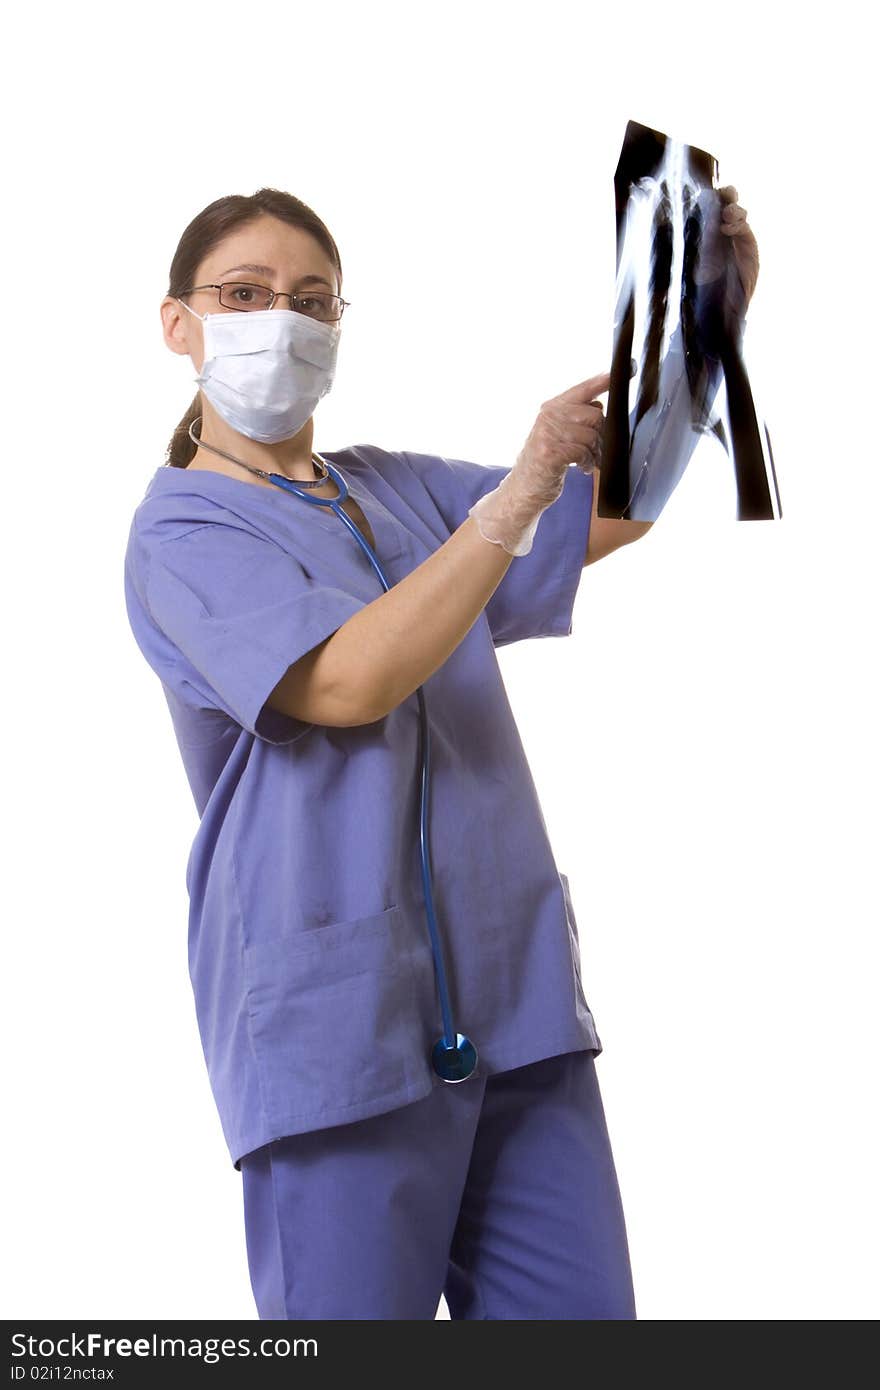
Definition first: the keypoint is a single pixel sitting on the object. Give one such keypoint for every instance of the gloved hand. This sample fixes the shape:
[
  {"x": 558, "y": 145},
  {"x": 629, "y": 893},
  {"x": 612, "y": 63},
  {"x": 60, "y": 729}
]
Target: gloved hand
[
  {"x": 568, "y": 430},
  {"x": 742, "y": 239},
  {"x": 728, "y": 245}
]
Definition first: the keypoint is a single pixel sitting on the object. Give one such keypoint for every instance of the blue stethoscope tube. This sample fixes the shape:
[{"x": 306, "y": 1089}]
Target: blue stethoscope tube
[{"x": 453, "y": 1055}]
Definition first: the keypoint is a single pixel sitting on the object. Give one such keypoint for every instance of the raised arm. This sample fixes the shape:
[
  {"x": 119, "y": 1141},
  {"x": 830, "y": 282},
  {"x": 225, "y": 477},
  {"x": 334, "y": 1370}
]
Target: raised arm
[{"x": 391, "y": 646}]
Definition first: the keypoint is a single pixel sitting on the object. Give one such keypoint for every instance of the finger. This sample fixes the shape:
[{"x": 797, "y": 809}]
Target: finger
[
  {"x": 592, "y": 414},
  {"x": 575, "y": 436},
  {"x": 566, "y": 435},
  {"x": 585, "y": 390},
  {"x": 575, "y": 439},
  {"x": 588, "y": 456},
  {"x": 576, "y": 418},
  {"x": 728, "y": 194}
]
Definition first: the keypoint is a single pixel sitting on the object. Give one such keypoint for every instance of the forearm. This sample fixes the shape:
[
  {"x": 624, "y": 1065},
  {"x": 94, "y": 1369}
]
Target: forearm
[
  {"x": 608, "y": 533},
  {"x": 392, "y": 646}
]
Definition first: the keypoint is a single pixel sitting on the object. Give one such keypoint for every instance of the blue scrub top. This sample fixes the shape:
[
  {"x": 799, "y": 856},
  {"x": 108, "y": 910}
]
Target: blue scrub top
[{"x": 308, "y": 943}]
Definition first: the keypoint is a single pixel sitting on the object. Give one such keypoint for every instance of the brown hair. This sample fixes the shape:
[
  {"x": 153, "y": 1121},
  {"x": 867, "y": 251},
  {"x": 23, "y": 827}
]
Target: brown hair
[{"x": 206, "y": 231}]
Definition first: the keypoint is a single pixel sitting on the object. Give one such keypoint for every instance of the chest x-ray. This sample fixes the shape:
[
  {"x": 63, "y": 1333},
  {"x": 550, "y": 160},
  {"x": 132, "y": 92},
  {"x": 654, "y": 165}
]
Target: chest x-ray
[{"x": 679, "y": 319}]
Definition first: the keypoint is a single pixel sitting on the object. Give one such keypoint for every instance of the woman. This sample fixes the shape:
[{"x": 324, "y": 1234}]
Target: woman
[{"x": 371, "y": 1182}]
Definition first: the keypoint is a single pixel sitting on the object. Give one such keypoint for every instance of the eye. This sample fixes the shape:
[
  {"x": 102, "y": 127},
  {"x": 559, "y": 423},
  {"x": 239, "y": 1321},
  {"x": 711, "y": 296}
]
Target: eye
[{"x": 241, "y": 294}]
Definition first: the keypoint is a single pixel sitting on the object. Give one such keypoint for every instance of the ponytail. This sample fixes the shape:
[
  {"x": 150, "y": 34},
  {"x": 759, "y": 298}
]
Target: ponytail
[{"x": 181, "y": 448}]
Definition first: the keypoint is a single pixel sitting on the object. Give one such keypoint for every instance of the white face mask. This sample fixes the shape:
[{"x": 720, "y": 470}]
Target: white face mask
[{"x": 265, "y": 370}]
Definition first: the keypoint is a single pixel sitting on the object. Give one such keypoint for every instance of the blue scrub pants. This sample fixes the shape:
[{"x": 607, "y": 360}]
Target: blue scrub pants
[{"x": 499, "y": 1192}]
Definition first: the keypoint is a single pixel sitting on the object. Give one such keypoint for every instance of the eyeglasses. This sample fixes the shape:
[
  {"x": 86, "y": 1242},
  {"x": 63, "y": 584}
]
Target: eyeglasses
[{"x": 235, "y": 294}]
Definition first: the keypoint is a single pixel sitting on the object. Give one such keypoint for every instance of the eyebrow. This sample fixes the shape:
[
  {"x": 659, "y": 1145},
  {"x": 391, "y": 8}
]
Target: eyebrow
[{"x": 267, "y": 270}]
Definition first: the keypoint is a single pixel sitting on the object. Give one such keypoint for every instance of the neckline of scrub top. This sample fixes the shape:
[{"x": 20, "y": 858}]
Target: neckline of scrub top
[{"x": 388, "y": 532}]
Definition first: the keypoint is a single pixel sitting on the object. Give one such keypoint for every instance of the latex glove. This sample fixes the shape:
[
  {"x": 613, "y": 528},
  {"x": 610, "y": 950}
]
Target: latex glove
[
  {"x": 744, "y": 246},
  {"x": 728, "y": 251},
  {"x": 568, "y": 430}
]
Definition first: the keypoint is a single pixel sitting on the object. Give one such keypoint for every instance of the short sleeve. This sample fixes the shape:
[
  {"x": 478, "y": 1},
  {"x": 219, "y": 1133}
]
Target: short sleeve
[
  {"x": 536, "y": 596},
  {"x": 239, "y": 611}
]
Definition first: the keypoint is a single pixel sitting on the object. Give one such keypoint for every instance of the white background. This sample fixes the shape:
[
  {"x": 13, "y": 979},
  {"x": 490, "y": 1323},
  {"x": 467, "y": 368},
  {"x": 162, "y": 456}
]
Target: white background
[{"x": 704, "y": 742}]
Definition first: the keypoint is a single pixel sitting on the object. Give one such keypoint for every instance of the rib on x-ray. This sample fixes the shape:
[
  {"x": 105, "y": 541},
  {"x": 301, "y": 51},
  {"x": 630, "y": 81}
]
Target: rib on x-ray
[{"x": 678, "y": 327}]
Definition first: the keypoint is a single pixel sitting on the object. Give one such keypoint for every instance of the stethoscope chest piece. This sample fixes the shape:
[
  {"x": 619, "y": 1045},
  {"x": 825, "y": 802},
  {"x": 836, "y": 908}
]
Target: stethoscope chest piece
[{"x": 454, "y": 1063}]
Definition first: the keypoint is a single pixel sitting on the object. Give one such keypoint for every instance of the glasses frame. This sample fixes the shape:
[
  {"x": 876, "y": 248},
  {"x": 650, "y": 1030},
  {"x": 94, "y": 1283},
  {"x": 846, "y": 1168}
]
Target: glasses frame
[{"x": 275, "y": 294}]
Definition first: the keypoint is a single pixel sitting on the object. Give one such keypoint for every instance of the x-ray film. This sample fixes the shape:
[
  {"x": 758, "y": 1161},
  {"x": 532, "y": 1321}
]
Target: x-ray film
[{"x": 679, "y": 324}]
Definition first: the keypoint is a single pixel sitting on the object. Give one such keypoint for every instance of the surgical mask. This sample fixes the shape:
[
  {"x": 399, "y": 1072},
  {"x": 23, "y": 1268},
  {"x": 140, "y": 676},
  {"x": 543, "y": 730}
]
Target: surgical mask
[{"x": 266, "y": 369}]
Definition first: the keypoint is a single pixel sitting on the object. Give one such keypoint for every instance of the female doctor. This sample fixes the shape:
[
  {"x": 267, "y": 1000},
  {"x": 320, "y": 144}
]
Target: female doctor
[{"x": 383, "y": 953}]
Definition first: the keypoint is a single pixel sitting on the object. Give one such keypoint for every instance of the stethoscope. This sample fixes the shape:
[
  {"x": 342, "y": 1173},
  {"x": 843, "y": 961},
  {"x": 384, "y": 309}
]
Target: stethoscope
[{"x": 453, "y": 1055}]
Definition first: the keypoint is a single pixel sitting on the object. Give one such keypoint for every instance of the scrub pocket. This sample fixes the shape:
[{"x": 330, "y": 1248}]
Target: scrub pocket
[{"x": 334, "y": 1022}]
